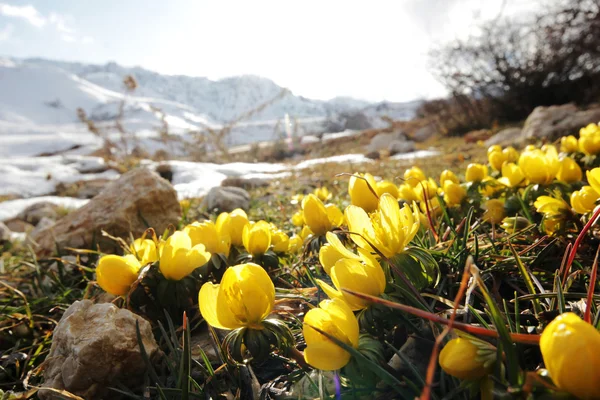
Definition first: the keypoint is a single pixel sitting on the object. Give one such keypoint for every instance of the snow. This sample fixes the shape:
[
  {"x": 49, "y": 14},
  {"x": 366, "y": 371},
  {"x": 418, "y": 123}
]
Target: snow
[
  {"x": 11, "y": 208},
  {"x": 344, "y": 158},
  {"x": 415, "y": 155}
]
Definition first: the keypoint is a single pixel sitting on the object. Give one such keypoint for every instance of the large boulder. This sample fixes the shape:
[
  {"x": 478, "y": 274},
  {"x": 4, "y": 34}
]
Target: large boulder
[
  {"x": 227, "y": 199},
  {"x": 94, "y": 347},
  {"x": 424, "y": 133},
  {"x": 138, "y": 200},
  {"x": 505, "y": 137},
  {"x": 382, "y": 141},
  {"x": 555, "y": 121},
  {"x": 36, "y": 212},
  {"x": 401, "y": 147}
]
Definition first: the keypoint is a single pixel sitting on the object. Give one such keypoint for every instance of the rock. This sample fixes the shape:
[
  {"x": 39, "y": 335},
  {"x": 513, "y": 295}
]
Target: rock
[
  {"x": 227, "y": 198},
  {"x": 165, "y": 171},
  {"x": 5, "y": 233},
  {"x": 505, "y": 137},
  {"x": 401, "y": 147},
  {"x": 44, "y": 223},
  {"x": 17, "y": 225},
  {"x": 476, "y": 136},
  {"x": 136, "y": 201},
  {"x": 35, "y": 212},
  {"x": 374, "y": 155},
  {"x": 424, "y": 133},
  {"x": 356, "y": 121},
  {"x": 90, "y": 189},
  {"x": 555, "y": 121},
  {"x": 94, "y": 346},
  {"x": 382, "y": 140},
  {"x": 245, "y": 183}
]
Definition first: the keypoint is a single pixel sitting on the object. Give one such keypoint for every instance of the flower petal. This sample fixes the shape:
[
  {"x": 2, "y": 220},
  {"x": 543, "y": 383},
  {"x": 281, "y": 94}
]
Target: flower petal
[
  {"x": 326, "y": 356},
  {"x": 215, "y": 313}
]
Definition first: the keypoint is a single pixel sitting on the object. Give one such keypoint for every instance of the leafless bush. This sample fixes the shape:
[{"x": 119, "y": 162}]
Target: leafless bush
[{"x": 554, "y": 58}]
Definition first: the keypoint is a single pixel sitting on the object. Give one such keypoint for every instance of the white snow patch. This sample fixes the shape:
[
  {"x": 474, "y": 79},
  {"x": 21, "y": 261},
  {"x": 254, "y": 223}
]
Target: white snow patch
[
  {"x": 344, "y": 158},
  {"x": 11, "y": 208},
  {"x": 415, "y": 155}
]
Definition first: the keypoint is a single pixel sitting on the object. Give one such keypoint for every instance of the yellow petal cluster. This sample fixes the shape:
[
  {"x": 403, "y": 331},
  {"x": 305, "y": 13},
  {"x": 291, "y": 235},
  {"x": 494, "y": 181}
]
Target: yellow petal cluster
[
  {"x": 476, "y": 172},
  {"x": 257, "y": 237},
  {"x": 569, "y": 347},
  {"x": 460, "y": 358},
  {"x": 179, "y": 257},
  {"x": 540, "y": 165},
  {"x": 589, "y": 139},
  {"x": 584, "y": 200},
  {"x": 145, "y": 250},
  {"x": 320, "y": 218},
  {"x": 362, "y": 191},
  {"x": 336, "y": 319},
  {"x": 115, "y": 274},
  {"x": 244, "y": 298}
]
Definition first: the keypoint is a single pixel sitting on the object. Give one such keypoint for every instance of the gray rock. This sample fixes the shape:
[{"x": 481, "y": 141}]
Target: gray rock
[
  {"x": 556, "y": 121},
  {"x": 424, "y": 133},
  {"x": 17, "y": 225},
  {"x": 382, "y": 141},
  {"x": 227, "y": 199},
  {"x": 43, "y": 224},
  {"x": 35, "y": 212},
  {"x": 136, "y": 201},
  {"x": 94, "y": 346},
  {"x": 505, "y": 137},
  {"x": 401, "y": 147},
  {"x": 5, "y": 233}
]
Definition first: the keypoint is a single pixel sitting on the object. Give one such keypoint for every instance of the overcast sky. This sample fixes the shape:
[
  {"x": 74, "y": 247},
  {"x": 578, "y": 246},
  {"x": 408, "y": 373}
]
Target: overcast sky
[{"x": 373, "y": 50}]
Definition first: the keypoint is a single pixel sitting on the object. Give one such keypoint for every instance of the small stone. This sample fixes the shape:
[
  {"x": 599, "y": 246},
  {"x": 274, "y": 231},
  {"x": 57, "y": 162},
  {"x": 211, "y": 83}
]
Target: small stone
[
  {"x": 18, "y": 225},
  {"x": 227, "y": 199},
  {"x": 401, "y": 147},
  {"x": 5, "y": 233},
  {"x": 424, "y": 133},
  {"x": 505, "y": 137},
  {"x": 35, "y": 212},
  {"x": 94, "y": 347}
]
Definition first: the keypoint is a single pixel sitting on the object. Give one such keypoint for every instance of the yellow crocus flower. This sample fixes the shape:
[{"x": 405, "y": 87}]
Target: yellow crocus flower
[
  {"x": 569, "y": 144},
  {"x": 476, "y": 172},
  {"x": 298, "y": 218},
  {"x": 494, "y": 211},
  {"x": 280, "y": 240},
  {"x": 569, "y": 347},
  {"x": 551, "y": 207},
  {"x": 569, "y": 171},
  {"x": 244, "y": 298},
  {"x": 233, "y": 224},
  {"x": 540, "y": 166},
  {"x": 584, "y": 200},
  {"x": 214, "y": 240},
  {"x": 407, "y": 193},
  {"x": 322, "y": 193},
  {"x": 144, "y": 250},
  {"x": 320, "y": 218},
  {"x": 589, "y": 139},
  {"x": 363, "y": 191},
  {"x": 461, "y": 358},
  {"x": 336, "y": 319},
  {"x": 496, "y": 157},
  {"x": 390, "y": 229},
  {"x": 413, "y": 176},
  {"x": 448, "y": 175},
  {"x": 512, "y": 155},
  {"x": 178, "y": 257},
  {"x": 387, "y": 187},
  {"x": 115, "y": 274},
  {"x": 428, "y": 187},
  {"x": 593, "y": 178},
  {"x": 512, "y": 175},
  {"x": 257, "y": 237},
  {"x": 454, "y": 193}
]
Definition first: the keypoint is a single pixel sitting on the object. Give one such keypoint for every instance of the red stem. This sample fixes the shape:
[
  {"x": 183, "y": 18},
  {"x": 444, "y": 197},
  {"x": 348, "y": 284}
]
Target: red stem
[
  {"x": 590, "y": 294},
  {"x": 577, "y": 242}
]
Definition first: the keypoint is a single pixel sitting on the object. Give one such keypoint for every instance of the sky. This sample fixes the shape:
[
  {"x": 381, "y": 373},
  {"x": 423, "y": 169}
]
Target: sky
[{"x": 372, "y": 50}]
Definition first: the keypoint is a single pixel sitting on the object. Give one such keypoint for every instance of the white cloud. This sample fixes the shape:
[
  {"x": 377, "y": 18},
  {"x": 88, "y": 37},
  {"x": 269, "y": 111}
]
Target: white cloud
[
  {"x": 87, "y": 40},
  {"x": 68, "y": 38},
  {"x": 6, "y": 32},
  {"x": 60, "y": 22},
  {"x": 28, "y": 13}
]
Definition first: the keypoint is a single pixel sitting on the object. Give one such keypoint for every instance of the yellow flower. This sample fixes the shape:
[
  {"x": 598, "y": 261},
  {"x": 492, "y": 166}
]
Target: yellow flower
[
  {"x": 413, "y": 176},
  {"x": 115, "y": 274},
  {"x": 336, "y": 319},
  {"x": 144, "y": 250},
  {"x": 512, "y": 155},
  {"x": 390, "y": 229},
  {"x": 244, "y": 298},
  {"x": 461, "y": 358},
  {"x": 490, "y": 186},
  {"x": 360, "y": 193},
  {"x": 320, "y": 218},
  {"x": 496, "y": 157},
  {"x": 305, "y": 232},
  {"x": 476, "y": 172},
  {"x": 298, "y": 218},
  {"x": 428, "y": 187},
  {"x": 322, "y": 193},
  {"x": 454, "y": 193},
  {"x": 257, "y": 237},
  {"x": 589, "y": 139},
  {"x": 569, "y": 171},
  {"x": 280, "y": 240},
  {"x": 433, "y": 205},
  {"x": 540, "y": 166},
  {"x": 593, "y": 178},
  {"x": 233, "y": 224},
  {"x": 178, "y": 257},
  {"x": 386, "y": 187},
  {"x": 514, "y": 224},
  {"x": 569, "y": 144},
  {"x": 361, "y": 273},
  {"x": 494, "y": 211},
  {"x": 407, "y": 193},
  {"x": 295, "y": 244},
  {"x": 206, "y": 233},
  {"x": 551, "y": 207},
  {"x": 512, "y": 175},
  {"x": 448, "y": 175},
  {"x": 569, "y": 347},
  {"x": 584, "y": 200}
]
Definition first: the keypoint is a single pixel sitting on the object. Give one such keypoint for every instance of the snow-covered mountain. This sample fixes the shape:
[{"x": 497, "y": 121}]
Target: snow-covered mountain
[{"x": 39, "y": 97}]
